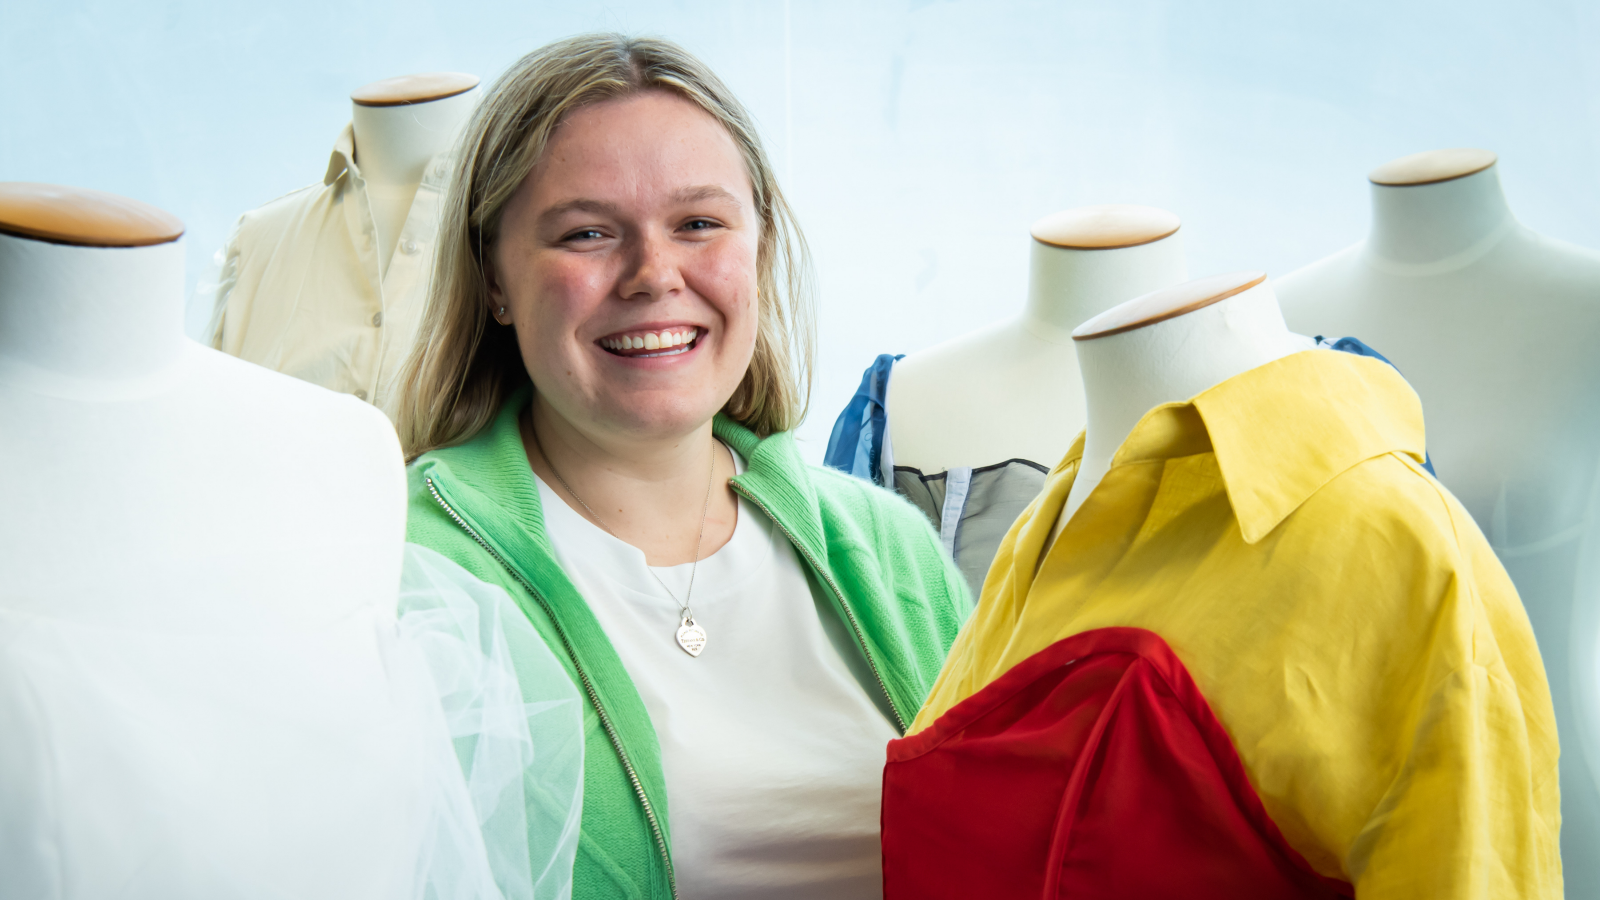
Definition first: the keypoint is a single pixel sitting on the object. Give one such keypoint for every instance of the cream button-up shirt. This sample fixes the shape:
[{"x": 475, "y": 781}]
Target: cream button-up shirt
[{"x": 301, "y": 290}]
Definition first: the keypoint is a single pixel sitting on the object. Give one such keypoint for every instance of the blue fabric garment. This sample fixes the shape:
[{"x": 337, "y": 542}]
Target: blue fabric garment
[
  {"x": 957, "y": 482},
  {"x": 1352, "y": 345},
  {"x": 862, "y": 430}
]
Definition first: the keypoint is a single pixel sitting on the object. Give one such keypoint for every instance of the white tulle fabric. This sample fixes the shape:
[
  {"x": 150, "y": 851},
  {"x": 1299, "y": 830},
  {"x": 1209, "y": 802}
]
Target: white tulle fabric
[
  {"x": 431, "y": 757},
  {"x": 515, "y": 721}
]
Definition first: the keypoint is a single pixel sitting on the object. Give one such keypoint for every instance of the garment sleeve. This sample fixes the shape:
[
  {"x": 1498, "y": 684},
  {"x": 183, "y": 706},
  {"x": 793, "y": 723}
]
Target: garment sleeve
[{"x": 1464, "y": 817}]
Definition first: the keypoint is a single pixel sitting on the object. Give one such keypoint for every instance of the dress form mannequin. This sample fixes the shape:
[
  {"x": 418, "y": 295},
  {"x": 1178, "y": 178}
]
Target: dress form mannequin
[
  {"x": 401, "y": 124},
  {"x": 198, "y": 595},
  {"x": 1494, "y": 326},
  {"x": 328, "y": 283},
  {"x": 1166, "y": 347},
  {"x": 975, "y": 400}
]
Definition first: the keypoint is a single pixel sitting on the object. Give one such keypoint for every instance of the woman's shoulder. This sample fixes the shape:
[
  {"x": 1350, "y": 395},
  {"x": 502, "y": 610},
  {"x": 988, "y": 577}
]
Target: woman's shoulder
[
  {"x": 852, "y": 493},
  {"x": 434, "y": 521},
  {"x": 854, "y": 509},
  {"x": 842, "y": 500},
  {"x": 445, "y": 492},
  {"x": 428, "y": 519},
  {"x": 882, "y": 539},
  {"x": 420, "y": 476}
]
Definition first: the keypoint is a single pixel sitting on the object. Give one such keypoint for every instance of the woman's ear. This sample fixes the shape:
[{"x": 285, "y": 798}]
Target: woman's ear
[{"x": 495, "y": 297}]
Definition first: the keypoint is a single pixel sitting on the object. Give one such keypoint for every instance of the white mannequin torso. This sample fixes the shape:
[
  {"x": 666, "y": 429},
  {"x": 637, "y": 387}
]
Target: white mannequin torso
[
  {"x": 976, "y": 400},
  {"x": 201, "y": 568},
  {"x": 401, "y": 124},
  {"x": 1129, "y": 368},
  {"x": 1495, "y": 327},
  {"x": 1492, "y": 324}
]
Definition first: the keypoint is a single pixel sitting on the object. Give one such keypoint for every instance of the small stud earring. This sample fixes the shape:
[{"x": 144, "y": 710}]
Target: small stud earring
[{"x": 502, "y": 310}]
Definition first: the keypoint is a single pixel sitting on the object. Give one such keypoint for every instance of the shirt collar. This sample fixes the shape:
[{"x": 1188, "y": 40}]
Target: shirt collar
[
  {"x": 343, "y": 159},
  {"x": 1283, "y": 430}
]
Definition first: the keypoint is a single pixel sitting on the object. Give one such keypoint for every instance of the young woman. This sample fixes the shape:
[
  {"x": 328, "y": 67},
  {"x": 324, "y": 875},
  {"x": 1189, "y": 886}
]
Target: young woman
[{"x": 617, "y": 346}]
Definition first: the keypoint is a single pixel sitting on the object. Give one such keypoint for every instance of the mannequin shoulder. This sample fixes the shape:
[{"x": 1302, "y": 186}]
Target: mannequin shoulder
[
  {"x": 1322, "y": 281},
  {"x": 296, "y": 425},
  {"x": 1561, "y": 268},
  {"x": 976, "y": 400},
  {"x": 997, "y": 358}
]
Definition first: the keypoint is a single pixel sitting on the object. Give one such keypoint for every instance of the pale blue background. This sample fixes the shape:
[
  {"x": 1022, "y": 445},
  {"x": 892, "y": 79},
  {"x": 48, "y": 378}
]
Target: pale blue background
[{"x": 917, "y": 139}]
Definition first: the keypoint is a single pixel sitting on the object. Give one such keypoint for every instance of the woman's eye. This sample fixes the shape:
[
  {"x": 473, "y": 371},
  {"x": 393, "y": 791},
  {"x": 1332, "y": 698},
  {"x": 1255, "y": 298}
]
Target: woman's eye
[
  {"x": 699, "y": 225},
  {"x": 586, "y": 234}
]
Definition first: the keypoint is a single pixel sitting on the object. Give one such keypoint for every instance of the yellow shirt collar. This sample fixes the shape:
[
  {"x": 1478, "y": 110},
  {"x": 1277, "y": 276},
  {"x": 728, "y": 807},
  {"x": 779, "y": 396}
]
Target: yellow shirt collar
[{"x": 1283, "y": 430}]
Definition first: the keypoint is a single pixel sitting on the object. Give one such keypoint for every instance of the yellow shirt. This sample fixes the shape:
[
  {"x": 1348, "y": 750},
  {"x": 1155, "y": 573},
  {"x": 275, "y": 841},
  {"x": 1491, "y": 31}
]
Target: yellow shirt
[
  {"x": 1340, "y": 611},
  {"x": 300, "y": 289}
]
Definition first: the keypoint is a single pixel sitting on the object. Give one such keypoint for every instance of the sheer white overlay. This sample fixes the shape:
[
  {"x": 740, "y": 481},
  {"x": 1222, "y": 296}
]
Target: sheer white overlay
[
  {"x": 367, "y": 758},
  {"x": 517, "y": 726}
]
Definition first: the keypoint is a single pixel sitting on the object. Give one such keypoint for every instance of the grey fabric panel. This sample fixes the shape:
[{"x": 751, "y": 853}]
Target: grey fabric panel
[
  {"x": 997, "y": 495},
  {"x": 924, "y": 492}
]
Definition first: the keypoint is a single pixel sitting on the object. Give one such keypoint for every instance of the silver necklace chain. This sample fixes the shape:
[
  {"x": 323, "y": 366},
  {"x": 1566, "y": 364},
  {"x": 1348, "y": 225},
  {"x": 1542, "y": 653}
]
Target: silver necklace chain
[{"x": 691, "y": 637}]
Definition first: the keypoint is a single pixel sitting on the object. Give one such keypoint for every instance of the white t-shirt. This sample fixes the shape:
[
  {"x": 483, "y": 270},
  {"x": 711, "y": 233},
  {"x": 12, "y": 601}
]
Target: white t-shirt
[{"x": 773, "y": 750}]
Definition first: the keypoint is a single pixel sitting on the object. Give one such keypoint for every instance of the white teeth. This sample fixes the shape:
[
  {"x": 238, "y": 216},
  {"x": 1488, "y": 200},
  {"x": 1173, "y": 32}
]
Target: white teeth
[
  {"x": 673, "y": 352},
  {"x": 663, "y": 340}
]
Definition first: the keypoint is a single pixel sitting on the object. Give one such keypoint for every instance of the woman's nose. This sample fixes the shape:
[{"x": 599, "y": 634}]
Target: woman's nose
[{"x": 653, "y": 272}]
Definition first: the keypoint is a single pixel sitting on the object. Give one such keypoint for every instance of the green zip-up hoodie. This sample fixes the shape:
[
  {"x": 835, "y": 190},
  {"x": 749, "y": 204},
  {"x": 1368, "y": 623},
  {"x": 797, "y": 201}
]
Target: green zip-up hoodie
[{"x": 478, "y": 504}]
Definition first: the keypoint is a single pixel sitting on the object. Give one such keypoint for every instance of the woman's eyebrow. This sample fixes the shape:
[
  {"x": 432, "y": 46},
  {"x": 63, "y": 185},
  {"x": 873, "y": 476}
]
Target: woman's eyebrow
[
  {"x": 695, "y": 194},
  {"x": 704, "y": 192},
  {"x": 581, "y": 204}
]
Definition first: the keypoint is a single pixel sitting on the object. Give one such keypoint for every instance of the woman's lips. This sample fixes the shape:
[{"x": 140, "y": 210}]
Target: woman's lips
[{"x": 644, "y": 344}]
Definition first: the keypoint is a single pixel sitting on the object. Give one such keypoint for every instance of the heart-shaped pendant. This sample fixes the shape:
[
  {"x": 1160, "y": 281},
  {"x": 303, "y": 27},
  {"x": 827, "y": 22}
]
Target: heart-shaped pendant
[{"x": 691, "y": 637}]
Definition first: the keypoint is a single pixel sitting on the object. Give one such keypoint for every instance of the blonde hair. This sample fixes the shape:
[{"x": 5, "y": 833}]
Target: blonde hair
[{"x": 463, "y": 368}]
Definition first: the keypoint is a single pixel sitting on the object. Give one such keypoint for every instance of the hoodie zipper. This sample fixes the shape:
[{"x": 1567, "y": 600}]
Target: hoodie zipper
[
  {"x": 588, "y": 686},
  {"x": 827, "y": 577}
]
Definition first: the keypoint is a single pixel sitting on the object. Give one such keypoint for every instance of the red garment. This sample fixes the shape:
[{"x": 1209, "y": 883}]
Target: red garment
[{"x": 1094, "y": 769}]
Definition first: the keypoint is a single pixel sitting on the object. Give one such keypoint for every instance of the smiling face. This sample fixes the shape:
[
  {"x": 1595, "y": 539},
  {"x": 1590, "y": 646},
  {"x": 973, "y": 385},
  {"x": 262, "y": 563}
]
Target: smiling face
[{"x": 627, "y": 263}]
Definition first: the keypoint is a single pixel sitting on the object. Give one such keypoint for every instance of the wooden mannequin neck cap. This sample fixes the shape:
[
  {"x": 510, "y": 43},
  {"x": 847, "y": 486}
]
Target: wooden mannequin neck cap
[
  {"x": 1432, "y": 167},
  {"x": 69, "y": 215},
  {"x": 1110, "y": 226},
  {"x": 408, "y": 89},
  {"x": 1167, "y": 303}
]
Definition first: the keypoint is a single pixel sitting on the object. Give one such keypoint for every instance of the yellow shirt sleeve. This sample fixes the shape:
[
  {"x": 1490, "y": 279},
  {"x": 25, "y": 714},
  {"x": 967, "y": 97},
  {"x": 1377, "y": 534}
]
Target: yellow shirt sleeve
[{"x": 1473, "y": 811}]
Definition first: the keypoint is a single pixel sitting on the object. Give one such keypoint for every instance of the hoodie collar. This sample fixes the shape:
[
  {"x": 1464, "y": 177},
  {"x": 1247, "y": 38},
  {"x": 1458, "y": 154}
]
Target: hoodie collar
[{"x": 496, "y": 457}]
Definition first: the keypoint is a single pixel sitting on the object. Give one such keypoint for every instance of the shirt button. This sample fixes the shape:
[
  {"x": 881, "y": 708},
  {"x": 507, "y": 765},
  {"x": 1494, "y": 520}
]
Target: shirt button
[
  {"x": 361, "y": 395},
  {"x": 409, "y": 247},
  {"x": 377, "y": 319}
]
